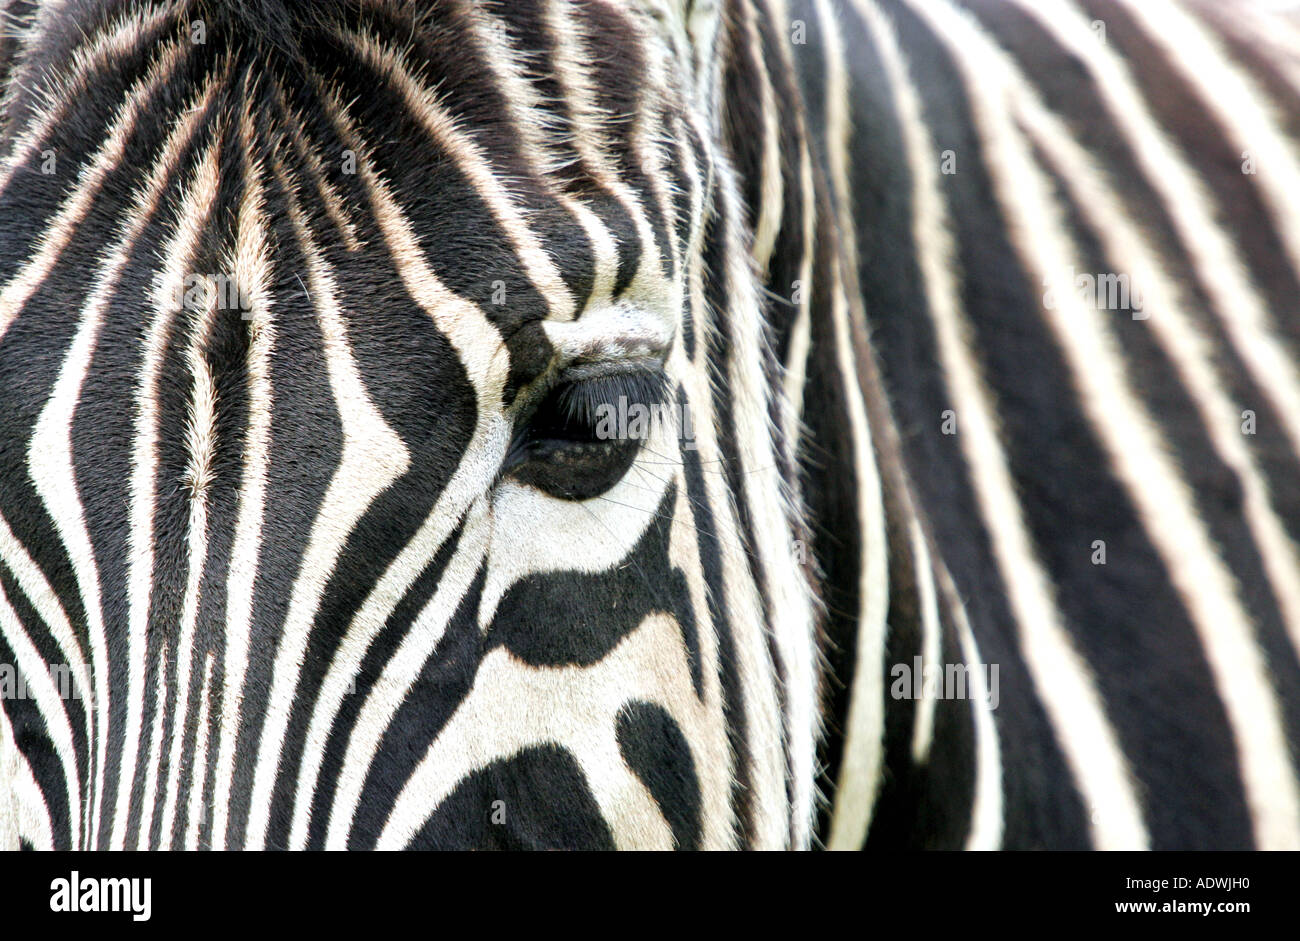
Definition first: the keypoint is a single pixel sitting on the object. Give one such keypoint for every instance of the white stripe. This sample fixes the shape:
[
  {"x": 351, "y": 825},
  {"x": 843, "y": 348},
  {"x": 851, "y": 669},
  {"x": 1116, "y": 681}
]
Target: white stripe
[
  {"x": 199, "y": 763},
  {"x": 692, "y": 274},
  {"x": 651, "y": 145},
  {"x": 931, "y": 644},
  {"x": 250, "y": 264},
  {"x": 1189, "y": 351},
  {"x": 153, "y": 757},
  {"x": 986, "y": 808},
  {"x": 476, "y": 341},
  {"x": 771, "y": 184},
  {"x": 864, "y": 726},
  {"x": 796, "y": 365},
  {"x": 716, "y": 775}
]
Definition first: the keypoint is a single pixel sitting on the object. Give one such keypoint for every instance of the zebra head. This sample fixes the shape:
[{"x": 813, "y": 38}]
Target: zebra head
[{"x": 392, "y": 454}]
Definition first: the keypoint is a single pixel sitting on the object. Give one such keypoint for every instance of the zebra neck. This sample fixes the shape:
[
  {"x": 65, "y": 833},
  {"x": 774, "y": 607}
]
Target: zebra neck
[{"x": 882, "y": 589}]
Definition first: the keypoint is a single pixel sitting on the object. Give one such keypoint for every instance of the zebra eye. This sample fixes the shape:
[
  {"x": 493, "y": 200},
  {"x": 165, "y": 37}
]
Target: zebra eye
[{"x": 579, "y": 442}]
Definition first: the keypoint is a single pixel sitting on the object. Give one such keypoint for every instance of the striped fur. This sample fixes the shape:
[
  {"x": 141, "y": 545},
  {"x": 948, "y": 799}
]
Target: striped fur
[
  {"x": 979, "y": 156},
  {"x": 309, "y": 600}
]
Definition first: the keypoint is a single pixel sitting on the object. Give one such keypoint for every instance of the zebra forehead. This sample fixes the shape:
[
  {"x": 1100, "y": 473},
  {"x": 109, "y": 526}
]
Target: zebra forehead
[{"x": 475, "y": 134}]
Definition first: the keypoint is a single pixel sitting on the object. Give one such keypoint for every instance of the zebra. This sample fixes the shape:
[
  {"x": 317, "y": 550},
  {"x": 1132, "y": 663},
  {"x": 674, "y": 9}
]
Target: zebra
[{"x": 335, "y": 556}]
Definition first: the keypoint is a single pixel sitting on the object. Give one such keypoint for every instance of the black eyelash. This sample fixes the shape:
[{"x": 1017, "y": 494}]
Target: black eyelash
[
  {"x": 576, "y": 404},
  {"x": 571, "y": 411}
]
